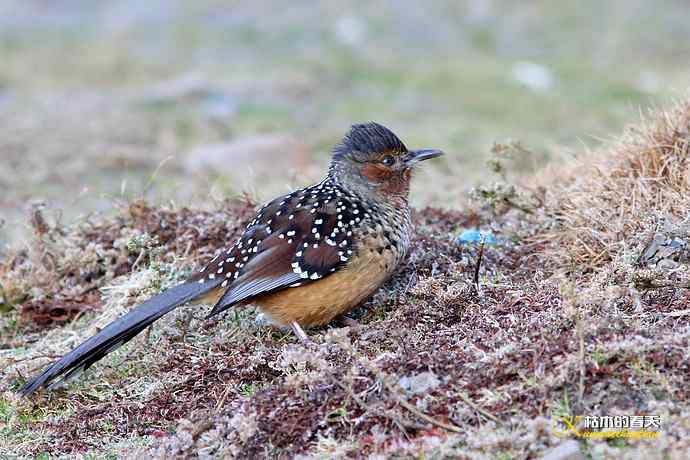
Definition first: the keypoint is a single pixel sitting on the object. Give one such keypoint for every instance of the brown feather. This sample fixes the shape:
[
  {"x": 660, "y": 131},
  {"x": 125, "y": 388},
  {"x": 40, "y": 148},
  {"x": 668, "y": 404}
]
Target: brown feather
[
  {"x": 319, "y": 302},
  {"x": 294, "y": 240}
]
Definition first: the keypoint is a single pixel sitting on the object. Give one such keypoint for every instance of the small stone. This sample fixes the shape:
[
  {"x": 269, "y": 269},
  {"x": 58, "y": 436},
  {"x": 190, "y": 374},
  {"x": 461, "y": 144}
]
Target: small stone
[
  {"x": 249, "y": 160},
  {"x": 262, "y": 320},
  {"x": 533, "y": 76},
  {"x": 568, "y": 450},
  {"x": 420, "y": 383}
]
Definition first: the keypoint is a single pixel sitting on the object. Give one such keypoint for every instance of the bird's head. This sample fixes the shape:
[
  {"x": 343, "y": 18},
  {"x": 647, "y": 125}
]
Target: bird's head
[{"x": 371, "y": 159}]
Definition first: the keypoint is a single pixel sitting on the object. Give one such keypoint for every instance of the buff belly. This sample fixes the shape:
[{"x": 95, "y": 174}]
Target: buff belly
[{"x": 320, "y": 302}]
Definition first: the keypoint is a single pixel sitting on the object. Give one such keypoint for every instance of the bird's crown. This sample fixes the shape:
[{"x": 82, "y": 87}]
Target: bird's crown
[{"x": 365, "y": 140}]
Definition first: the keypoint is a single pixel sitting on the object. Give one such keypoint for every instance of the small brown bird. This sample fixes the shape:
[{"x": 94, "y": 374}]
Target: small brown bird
[{"x": 306, "y": 258}]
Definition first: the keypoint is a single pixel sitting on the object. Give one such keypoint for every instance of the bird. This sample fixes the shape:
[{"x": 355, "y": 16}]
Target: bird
[{"x": 306, "y": 258}]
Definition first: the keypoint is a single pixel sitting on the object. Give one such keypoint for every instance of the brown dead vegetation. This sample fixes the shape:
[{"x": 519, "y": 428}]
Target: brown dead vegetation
[
  {"x": 612, "y": 197},
  {"x": 562, "y": 325}
]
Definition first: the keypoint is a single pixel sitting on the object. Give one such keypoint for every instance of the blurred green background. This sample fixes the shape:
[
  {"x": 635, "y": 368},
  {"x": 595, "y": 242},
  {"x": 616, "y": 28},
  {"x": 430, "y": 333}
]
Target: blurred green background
[{"x": 102, "y": 102}]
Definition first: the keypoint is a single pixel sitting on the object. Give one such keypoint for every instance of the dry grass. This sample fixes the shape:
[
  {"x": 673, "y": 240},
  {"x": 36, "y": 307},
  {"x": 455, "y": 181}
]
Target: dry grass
[
  {"x": 563, "y": 326},
  {"x": 621, "y": 194}
]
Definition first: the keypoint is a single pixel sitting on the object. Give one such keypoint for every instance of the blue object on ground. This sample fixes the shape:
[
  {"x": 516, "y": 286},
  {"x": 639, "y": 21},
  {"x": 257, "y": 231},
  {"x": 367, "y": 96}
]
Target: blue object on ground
[
  {"x": 676, "y": 243},
  {"x": 475, "y": 236}
]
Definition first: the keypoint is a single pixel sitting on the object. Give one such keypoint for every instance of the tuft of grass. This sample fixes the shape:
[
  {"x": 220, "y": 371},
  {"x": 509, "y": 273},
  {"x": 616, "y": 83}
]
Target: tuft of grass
[{"x": 617, "y": 196}]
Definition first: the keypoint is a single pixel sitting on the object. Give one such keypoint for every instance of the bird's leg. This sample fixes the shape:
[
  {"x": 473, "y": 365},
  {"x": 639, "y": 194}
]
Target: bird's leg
[{"x": 301, "y": 335}]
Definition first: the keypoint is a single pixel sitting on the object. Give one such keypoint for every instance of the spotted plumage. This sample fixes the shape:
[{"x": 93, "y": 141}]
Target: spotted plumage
[
  {"x": 306, "y": 257},
  {"x": 315, "y": 231},
  {"x": 312, "y": 222}
]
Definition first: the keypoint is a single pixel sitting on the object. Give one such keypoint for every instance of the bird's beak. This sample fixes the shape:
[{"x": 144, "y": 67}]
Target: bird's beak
[{"x": 415, "y": 156}]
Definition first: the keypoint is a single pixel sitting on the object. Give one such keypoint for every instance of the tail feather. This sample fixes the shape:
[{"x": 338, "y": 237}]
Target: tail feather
[{"x": 117, "y": 333}]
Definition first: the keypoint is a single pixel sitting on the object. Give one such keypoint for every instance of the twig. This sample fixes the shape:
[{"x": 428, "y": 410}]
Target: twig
[
  {"x": 423, "y": 416},
  {"x": 677, "y": 313},
  {"x": 153, "y": 177},
  {"x": 581, "y": 355},
  {"x": 517, "y": 206},
  {"x": 221, "y": 403},
  {"x": 404, "y": 403},
  {"x": 484, "y": 412},
  {"x": 477, "y": 287},
  {"x": 650, "y": 285},
  {"x": 31, "y": 358},
  {"x": 400, "y": 423},
  {"x": 382, "y": 377},
  {"x": 88, "y": 289},
  {"x": 138, "y": 259}
]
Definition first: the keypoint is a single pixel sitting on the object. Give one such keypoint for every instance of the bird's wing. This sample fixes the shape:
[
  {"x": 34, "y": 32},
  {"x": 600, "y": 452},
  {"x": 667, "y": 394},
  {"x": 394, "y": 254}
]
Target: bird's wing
[{"x": 295, "y": 239}]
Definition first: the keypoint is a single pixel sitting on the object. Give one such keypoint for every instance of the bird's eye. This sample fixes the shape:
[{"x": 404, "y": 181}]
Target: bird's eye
[{"x": 388, "y": 160}]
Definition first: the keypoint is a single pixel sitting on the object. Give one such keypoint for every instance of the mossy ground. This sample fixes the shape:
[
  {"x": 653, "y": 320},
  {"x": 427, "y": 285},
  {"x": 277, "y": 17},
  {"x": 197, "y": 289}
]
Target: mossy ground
[
  {"x": 102, "y": 103},
  {"x": 438, "y": 368}
]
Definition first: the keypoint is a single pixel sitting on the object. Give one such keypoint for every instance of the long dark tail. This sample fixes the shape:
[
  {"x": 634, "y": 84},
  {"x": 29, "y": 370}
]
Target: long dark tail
[{"x": 117, "y": 333}]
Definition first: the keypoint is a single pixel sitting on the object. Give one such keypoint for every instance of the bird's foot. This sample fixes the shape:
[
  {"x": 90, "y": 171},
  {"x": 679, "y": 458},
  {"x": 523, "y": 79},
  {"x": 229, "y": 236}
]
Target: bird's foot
[{"x": 301, "y": 335}]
